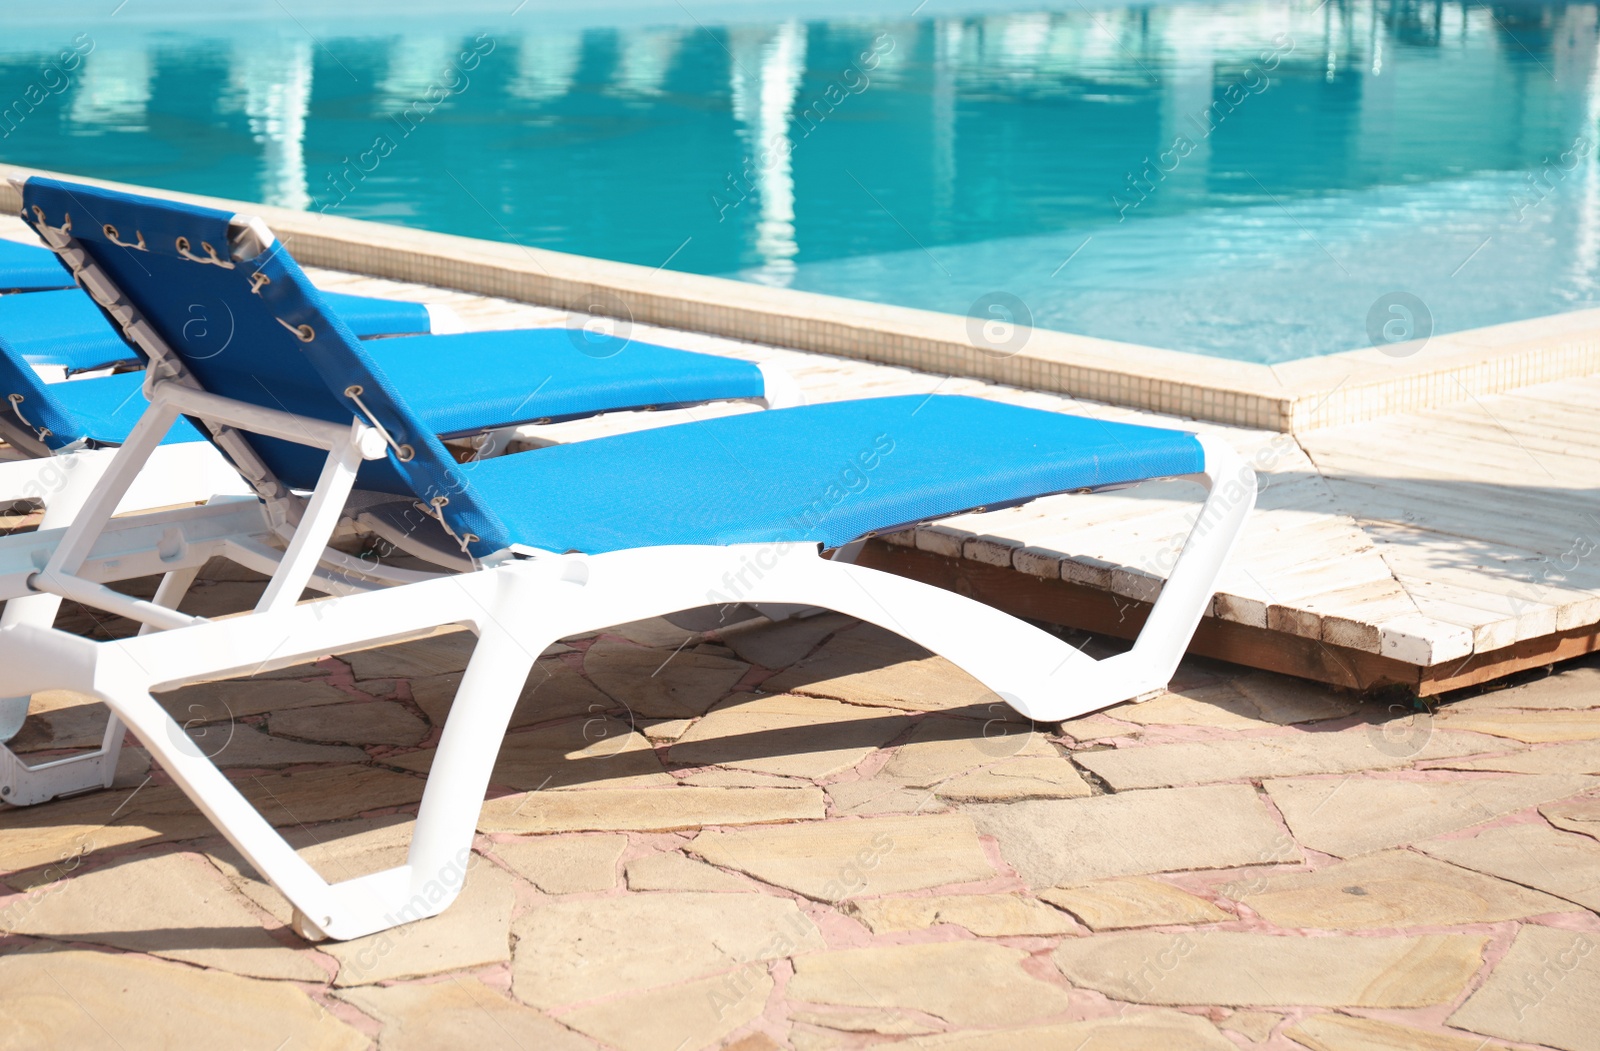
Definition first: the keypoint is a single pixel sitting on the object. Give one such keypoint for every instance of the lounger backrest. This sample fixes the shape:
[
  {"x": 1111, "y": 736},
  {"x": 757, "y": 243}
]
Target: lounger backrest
[{"x": 256, "y": 330}]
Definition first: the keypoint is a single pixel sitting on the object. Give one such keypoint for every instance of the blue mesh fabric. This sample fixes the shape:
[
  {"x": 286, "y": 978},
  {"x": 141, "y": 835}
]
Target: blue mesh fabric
[
  {"x": 66, "y": 329},
  {"x": 27, "y": 268},
  {"x": 824, "y": 473},
  {"x": 242, "y": 343},
  {"x": 460, "y": 383},
  {"x": 62, "y": 328},
  {"x": 368, "y": 316}
]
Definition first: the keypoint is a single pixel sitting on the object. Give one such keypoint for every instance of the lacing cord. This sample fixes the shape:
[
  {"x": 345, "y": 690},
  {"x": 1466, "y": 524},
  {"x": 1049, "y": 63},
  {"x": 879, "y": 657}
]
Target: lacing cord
[
  {"x": 435, "y": 510},
  {"x": 211, "y": 258},
  {"x": 111, "y": 235},
  {"x": 403, "y": 453},
  {"x": 16, "y": 406}
]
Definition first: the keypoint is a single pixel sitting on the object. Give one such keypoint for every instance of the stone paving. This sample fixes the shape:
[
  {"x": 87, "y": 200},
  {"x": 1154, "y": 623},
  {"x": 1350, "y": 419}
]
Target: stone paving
[{"x": 811, "y": 835}]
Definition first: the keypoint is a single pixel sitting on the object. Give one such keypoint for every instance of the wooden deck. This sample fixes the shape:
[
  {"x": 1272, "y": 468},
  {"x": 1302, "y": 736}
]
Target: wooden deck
[{"x": 1432, "y": 549}]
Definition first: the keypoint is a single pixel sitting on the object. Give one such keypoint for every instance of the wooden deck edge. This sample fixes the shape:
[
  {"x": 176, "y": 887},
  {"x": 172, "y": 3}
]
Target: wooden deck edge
[{"x": 1100, "y": 612}]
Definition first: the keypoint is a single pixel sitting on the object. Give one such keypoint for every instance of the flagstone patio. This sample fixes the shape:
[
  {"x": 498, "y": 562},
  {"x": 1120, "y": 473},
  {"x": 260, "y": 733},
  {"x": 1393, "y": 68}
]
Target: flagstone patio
[{"x": 810, "y": 835}]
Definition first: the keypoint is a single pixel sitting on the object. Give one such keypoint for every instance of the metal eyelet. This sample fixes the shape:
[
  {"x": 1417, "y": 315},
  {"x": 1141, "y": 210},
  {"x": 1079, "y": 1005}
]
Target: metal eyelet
[{"x": 305, "y": 333}]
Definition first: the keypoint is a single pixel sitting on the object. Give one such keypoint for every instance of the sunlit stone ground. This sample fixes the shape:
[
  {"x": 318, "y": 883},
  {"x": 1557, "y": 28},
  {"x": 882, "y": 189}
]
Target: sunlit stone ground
[{"x": 811, "y": 835}]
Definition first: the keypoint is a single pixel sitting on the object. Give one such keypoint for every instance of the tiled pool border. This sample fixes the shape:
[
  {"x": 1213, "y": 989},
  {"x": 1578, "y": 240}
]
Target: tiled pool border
[{"x": 1295, "y": 396}]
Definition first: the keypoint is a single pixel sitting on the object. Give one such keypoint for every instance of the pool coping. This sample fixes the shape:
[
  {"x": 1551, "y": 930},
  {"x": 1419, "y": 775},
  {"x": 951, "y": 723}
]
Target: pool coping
[{"x": 1292, "y": 397}]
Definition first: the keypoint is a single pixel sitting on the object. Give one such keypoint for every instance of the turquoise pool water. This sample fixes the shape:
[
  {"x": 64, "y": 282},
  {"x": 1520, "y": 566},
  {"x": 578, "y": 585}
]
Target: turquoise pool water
[{"x": 1261, "y": 181}]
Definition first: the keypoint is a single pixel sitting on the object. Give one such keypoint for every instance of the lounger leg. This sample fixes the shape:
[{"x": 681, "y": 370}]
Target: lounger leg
[
  {"x": 23, "y": 785},
  {"x": 65, "y": 483},
  {"x": 1187, "y": 593}
]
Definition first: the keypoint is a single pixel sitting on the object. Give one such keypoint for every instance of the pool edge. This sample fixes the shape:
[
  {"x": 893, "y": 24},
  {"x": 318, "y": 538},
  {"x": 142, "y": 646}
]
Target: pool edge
[{"x": 1293, "y": 397}]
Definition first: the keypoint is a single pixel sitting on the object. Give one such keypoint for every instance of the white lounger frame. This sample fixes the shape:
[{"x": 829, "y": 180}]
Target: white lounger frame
[{"x": 517, "y": 602}]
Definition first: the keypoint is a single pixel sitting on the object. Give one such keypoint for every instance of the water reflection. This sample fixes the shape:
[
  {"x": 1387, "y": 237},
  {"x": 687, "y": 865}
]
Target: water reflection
[{"x": 1385, "y": 138}]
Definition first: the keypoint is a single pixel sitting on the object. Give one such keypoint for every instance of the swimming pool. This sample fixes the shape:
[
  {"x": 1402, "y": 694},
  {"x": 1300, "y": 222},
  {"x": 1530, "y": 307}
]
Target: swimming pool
[{"x": 1260, "y": 181}]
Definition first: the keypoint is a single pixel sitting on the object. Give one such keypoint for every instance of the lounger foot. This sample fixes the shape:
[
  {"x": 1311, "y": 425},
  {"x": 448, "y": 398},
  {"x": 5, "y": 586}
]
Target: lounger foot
[{"x": 23, "y": 785}]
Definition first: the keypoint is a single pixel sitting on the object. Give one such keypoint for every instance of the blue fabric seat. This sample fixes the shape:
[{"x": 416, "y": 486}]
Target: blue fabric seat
[
  {"x": 826, "y": 474},
  {"x": 29, "y": 268},
  {"x": 823, "y": 474},
  {"x": 66, "y": 330},
  {"x": 460, "y": 384}
]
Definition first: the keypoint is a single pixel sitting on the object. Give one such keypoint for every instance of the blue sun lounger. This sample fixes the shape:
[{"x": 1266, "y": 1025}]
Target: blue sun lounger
[
  {"x": 532, "y": 547},
  {"x": 465, "y": 385}
]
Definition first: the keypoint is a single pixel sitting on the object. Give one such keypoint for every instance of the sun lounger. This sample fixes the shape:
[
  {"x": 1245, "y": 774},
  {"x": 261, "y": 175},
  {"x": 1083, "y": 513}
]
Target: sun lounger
[{"x": 558, "y": 541}]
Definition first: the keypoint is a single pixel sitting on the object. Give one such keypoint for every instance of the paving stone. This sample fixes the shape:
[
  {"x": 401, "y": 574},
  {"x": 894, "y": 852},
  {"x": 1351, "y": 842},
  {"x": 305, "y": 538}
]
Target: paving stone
[
  {"x": 172, "y": 905},
  {"x": 473, "y": 932},
  {"x": 1339, "y": 1032},
  {"x": 462, "y": 1012},
  {"x": 694, "y": 1014},
  {"x": 673, "y": 871},
  {"x": 941, "y": 748},
  {"x": 1253, "y": 758},
  {"x": 1544, "y": 991},
  {"x": 553, "y": 690},
  {"x": 647, "y": 809},
  {"x": 861, "y": 1020},
  {"x": 581, "y": 753},
  {"x": 720, "y": 778},
  {"x": 447, "y": 651},
  {"x": 986, "y": 915},
  {"x": 1098, "y": 727},
  {"x": 372, "y": 722},
  {"x": 656, "y": 632},
  {"x": 1575, "y": 815},
  {"x": 239, "y": 744},
  {"x": 792, "y": 736},
  {"x": 1042, "y": 778},
  {"x": 565, "y": 864},
  {"x": 329, "y": 793},
  {"x": 1396, "y": 888},
  {"x": 1250, "y": 702},
  {"x": 215, "y": 702},
  {"x": 1133, "y": 901},
  {"x": 835, "y": 860},
  {"x": 1565, "y": 864},
  {"x": 657, "y": 685},
  {"x": 338, "y": 851},
  {"x": 61, "y": 719},
  {"x": 66, "y": 828},
  {"x": 872, "y": 797},
  {"x": 1155, "y": 1030},
  {"x": 778, "y": 645},
  {"x": 1256, "y": 1026},
  {"x": 1520, "y": 725},
  {"x": 966, "y": 983},
  {"x": 1065, "y": 842},
  {"x": 1240, "y": 969},
  {"x": 71, "y": 998},
  {"x": 867, "y": 665},
  {"x": 1575, "y": 757},
  {"x": 1360, "y": 815},
  {"x": 663, "y": 730},
  {"x": 579, "y": 950}
]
